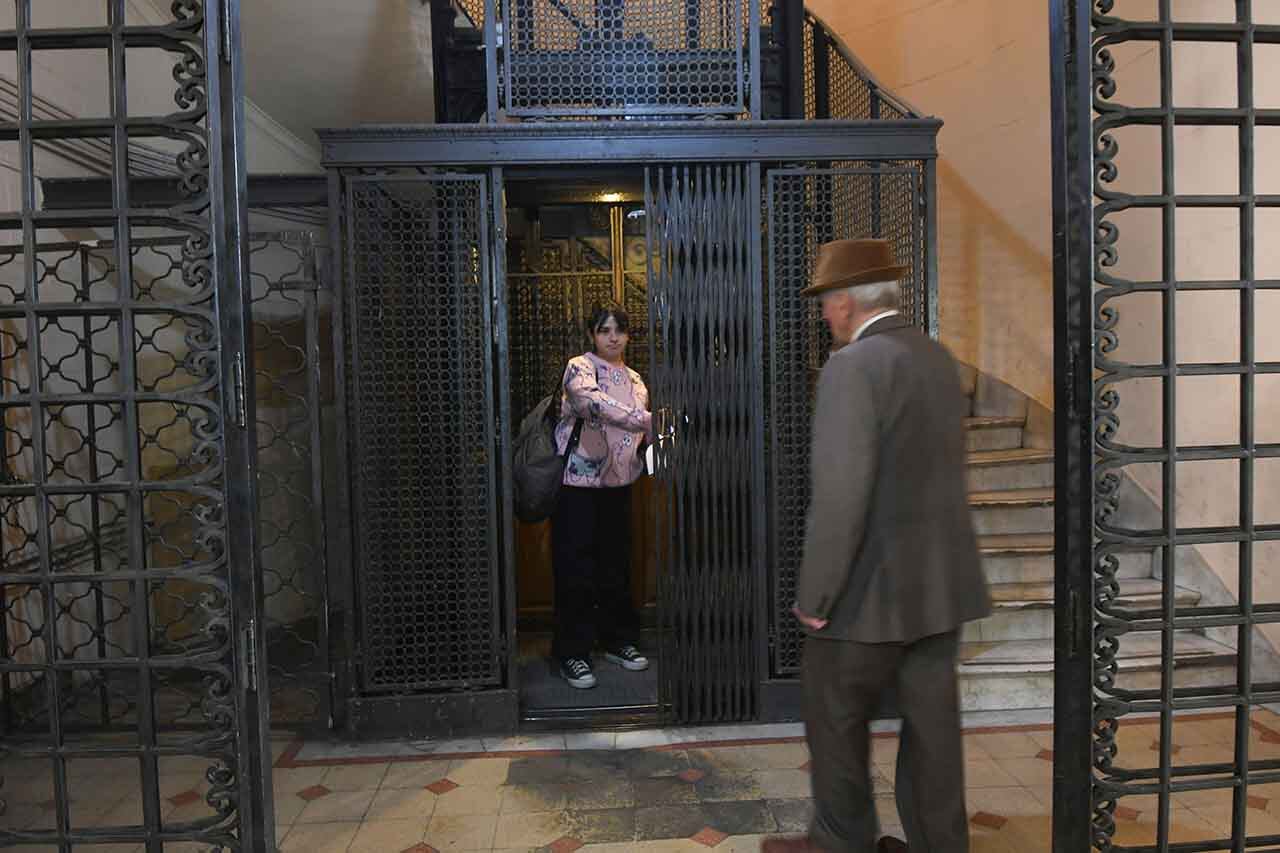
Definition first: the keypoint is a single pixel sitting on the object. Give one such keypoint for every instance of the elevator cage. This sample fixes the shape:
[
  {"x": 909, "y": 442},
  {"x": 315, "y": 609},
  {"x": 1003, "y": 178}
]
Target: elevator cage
[{"x": 461, "y": 290}]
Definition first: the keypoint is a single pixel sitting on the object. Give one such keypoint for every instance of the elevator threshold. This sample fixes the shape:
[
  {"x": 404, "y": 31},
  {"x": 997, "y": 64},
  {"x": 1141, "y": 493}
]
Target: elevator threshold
[{"x": 614, "y": 718}]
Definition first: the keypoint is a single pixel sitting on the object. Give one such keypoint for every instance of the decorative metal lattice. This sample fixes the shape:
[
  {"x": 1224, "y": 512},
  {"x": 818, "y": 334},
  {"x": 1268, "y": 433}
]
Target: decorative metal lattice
[
  {"x": 422, "y": 443},
  {"x": 623, "y": 57},
  {"x": 705, "y": 365},
  {"x": 1149, "y": 122},
  {"x": 119, "y": 577},
  {"x": 287, "y": 301},
  {"x": 808, "y": 207}
]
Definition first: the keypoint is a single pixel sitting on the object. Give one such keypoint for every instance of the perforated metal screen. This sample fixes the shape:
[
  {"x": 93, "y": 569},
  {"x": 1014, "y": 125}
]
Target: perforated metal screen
[
  {"x": 422, "y": 437},
  {"x": 623, "y": 57},
  {"x": 808, "y": 207}
]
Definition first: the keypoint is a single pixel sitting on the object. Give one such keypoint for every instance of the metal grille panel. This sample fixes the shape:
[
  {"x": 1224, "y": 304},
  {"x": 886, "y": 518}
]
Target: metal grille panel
[
  {"x": 808, "y": 207},
  {"x": 122, "y": 470},
  {"x": 1143, "y": 287},
  {"x": 703, "y": 304},
  {"x": 423, "y": 432},
  {"x": 610, "y": 57},
  {"x": 286, "y": 302}
]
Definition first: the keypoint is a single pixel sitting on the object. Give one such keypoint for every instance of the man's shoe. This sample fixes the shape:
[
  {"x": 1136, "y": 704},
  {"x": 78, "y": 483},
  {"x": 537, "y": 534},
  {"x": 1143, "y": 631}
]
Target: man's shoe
[
  {"x": 627, "y": 657},
  {"x": 889, "y": 844},
  {"x": 790, "y": 845},
  {"x": 577, "y": 672}
]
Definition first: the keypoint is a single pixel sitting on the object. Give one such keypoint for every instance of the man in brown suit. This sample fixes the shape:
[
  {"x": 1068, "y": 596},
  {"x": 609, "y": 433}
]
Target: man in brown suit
[{"x": 891, "y": 568}]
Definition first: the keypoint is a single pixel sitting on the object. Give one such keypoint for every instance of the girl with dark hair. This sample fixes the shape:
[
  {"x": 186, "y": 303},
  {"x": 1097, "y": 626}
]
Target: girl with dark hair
[{"x": 591, "y": 528}]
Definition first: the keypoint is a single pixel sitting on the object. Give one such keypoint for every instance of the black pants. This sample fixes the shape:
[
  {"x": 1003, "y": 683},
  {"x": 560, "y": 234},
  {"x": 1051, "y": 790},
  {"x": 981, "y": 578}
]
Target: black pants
[
  {"x": 843, "y": 684},
  {"x": 591, "y": 554}
]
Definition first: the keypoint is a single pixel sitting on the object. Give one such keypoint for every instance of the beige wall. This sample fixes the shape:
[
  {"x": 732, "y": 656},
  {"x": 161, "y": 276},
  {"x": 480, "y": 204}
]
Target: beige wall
[{"x": 982, "y": 66}]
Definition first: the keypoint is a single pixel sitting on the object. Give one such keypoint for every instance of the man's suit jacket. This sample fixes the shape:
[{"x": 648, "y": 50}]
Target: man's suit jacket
[{"x": 890, "y": 553}]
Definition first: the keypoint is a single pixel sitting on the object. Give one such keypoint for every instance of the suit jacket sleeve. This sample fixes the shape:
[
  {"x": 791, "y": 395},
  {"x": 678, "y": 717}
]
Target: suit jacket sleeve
[{"x": 843, "y": 462}]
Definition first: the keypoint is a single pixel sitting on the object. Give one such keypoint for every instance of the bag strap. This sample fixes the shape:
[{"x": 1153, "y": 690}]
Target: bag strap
[{"x": 572, "y": 444}]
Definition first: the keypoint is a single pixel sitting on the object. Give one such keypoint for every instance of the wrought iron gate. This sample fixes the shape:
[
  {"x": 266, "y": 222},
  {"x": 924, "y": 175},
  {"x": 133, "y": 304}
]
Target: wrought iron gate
[
  {"x": 128, "y": 597},
  {"x": 706, "y": 365},
  {"x": 1127, "y": 125},
  {"x": 422, "y": 443},
  {"x": 808, "y": 206}
]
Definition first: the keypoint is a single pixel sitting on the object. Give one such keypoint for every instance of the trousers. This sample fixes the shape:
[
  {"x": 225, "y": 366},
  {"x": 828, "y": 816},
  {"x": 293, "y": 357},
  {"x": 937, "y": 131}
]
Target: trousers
[
  {"x": 591, "y": 557},
  {"x": 843, "y": 682}
]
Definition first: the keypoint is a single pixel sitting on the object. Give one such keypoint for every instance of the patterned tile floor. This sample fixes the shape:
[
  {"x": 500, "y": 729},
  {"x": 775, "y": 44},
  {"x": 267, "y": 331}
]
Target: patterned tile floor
[{"x": 673, "y": 790}]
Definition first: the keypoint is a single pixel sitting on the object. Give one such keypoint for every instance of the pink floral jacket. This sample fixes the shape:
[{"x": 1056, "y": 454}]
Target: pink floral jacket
[{"x": 614, "y": 403}]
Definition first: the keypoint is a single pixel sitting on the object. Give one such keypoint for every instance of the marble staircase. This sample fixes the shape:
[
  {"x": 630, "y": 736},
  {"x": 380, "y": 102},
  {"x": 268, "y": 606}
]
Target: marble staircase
[{"x": 1007, "y": 659}]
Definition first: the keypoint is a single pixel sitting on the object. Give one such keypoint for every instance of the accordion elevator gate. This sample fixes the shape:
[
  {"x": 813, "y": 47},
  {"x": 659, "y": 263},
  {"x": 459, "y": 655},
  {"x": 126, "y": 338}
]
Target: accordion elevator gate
[{"x": 672, "y": 247}]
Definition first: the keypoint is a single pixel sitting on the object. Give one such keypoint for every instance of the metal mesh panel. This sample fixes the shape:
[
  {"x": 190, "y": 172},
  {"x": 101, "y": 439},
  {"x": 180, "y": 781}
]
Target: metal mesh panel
[
  {"x": 810, "y": 84},
  {"x": 840, "y": 89},
  {"x": 118, "y": 663},
  {"x": 610, "y": 57},
  {"x": 704, "y": 362},
  {"x": 474, "y": 10},
  {"x": 808, "y": 207},
  {"x": 850, "y": 94},
  {"x": 286, "y": 305},
  {"x": 423, "y": 433}
]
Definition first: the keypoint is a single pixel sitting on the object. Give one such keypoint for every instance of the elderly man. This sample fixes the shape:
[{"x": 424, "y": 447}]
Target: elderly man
[{"x": 891, "y": 568}]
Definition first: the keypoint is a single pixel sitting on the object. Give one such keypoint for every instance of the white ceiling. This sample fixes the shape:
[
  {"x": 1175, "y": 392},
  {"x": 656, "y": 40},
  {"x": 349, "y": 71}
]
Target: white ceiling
[{"x": 335, "y": 63}]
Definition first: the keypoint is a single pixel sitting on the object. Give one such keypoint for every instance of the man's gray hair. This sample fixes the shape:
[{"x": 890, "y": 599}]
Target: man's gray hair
[{"x": 880, "y": 296}]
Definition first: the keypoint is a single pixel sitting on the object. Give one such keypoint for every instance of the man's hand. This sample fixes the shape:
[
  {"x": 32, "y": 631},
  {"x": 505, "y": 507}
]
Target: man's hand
[{"x": 813, "y": 623}]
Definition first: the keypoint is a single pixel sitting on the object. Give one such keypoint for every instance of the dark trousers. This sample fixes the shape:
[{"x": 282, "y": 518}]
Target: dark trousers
[
  {"x": 591, "y": 555},
  {"x": 843, "y": 684}
]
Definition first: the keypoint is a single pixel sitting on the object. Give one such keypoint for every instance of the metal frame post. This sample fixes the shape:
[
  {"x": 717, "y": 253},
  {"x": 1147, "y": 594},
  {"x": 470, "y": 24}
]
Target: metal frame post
[{"x": 1073, "y": 435}]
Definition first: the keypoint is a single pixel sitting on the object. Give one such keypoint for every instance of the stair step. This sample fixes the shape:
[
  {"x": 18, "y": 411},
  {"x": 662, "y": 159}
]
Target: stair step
[
  {"x": 979, "y": 422},
  {"x": 1019, "y": 468},
  {"x": 1139, "y": 592},
  {"x": 1023, "y": 544},
  {"x": 1013, "y": 511},
  {"x": 994, "y": 433},
  {"x": 1012, "y": 498},
  {"x": 1028, "y": 558},
  {"x": 1018, "y": 674},
  {"x": 1024, "y": 611}
]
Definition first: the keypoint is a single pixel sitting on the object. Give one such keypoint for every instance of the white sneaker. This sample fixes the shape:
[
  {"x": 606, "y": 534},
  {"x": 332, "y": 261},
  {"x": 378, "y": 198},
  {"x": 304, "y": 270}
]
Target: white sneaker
[
  {"x": 578, "y": 673},
  {"x": 628, "y": 657}
]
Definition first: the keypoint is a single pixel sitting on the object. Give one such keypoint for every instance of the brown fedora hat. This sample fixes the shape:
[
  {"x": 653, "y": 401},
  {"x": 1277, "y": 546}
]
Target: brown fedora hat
[{"x": 849, "y": 263}]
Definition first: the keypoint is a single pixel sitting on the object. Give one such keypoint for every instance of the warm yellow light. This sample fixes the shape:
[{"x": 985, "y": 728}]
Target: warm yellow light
[{"x": 611, "y": 197}]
